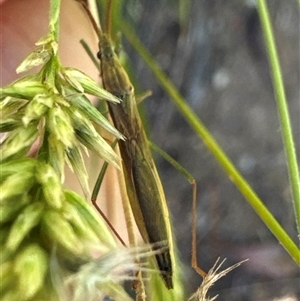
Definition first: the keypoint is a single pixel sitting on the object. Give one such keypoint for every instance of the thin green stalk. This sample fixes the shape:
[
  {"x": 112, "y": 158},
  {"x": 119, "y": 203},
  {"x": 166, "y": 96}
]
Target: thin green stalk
[
  {"x": 53, "y": 64},
  {"x": 54, "y": 18},
  {"x": 282, "y": 108},
  {"x": 212, "y": 145}
]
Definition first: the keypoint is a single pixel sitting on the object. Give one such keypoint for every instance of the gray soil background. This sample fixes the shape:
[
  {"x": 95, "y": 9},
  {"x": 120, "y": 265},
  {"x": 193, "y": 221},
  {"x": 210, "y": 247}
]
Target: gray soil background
[{"x": 219, "y": 63}]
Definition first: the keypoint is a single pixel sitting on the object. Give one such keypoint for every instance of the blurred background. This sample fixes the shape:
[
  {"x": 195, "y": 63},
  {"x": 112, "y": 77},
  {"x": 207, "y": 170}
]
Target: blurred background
[{"x": 215, "y": 54}]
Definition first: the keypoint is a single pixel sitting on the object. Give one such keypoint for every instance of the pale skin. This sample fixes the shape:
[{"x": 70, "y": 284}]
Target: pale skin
[{"x": 22, "y": 24}]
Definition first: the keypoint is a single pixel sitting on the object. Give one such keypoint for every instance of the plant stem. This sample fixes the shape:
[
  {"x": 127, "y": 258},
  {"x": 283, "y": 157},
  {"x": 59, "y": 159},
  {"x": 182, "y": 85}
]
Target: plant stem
[
  {"x": 54, "y": 63},
  {"x": 282, "y": 108},
  {"x": 212, "y": 145},
  {"x": 54, "y": 18}
]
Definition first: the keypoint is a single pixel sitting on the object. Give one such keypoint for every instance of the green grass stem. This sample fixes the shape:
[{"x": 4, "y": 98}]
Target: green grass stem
[
  {"x": 283, "y": 112},
  {"x": 54, "y": 18}
]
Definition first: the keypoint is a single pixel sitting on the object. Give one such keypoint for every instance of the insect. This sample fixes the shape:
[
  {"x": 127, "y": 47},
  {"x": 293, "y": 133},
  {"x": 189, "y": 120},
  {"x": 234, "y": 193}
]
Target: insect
[{"x": 143, "y": 185}]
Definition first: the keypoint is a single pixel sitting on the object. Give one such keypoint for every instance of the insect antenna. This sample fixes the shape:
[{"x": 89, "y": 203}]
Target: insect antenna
[
  {"x": 96, "y": 27},
  {"x": 108, "y": 18}
]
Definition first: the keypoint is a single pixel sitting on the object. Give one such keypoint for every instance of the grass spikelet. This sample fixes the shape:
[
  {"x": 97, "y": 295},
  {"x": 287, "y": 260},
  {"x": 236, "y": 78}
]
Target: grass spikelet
[{"x": 212, "y": 277}]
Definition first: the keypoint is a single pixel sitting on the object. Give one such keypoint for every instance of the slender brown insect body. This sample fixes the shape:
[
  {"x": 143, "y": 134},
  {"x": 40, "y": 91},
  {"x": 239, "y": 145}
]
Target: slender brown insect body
[{"x": 143, "y": 186}]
